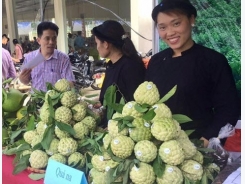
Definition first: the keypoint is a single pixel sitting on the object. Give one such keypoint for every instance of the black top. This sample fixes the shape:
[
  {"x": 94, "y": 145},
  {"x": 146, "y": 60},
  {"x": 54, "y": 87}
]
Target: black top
[
  {"x": 206, "y": 90},
  {"x": 127, "y": 75}
]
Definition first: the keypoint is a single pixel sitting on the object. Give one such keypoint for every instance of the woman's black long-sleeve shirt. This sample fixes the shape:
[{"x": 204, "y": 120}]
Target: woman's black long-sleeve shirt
[
  {"x": 206, "y": 90},
  {"x": 127, "y": 74}
]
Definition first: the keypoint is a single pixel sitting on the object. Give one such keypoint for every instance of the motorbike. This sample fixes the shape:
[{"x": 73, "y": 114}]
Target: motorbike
[{"x": 87, "y": 71}]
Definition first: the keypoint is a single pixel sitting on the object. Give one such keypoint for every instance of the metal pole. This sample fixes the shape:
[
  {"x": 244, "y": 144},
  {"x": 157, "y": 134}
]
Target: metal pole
[
  {"x": 41, "y": 10},
  {"x": 155, "y": 43}
]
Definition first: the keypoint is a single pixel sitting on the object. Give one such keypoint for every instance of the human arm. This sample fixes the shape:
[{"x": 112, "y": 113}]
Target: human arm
[
  {"x": 12, "y": 71},
  {"x": 25, "y": 76}
]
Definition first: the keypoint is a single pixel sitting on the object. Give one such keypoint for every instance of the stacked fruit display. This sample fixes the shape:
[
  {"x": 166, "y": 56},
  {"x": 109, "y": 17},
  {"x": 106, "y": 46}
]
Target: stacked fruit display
[
  {"x": 145, "y": 145},
  {"x": 61, "y": 131}
]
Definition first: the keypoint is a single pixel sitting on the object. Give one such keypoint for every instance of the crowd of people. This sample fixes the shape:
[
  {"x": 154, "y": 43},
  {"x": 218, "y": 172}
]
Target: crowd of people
[{"x": 206, "y": 90}]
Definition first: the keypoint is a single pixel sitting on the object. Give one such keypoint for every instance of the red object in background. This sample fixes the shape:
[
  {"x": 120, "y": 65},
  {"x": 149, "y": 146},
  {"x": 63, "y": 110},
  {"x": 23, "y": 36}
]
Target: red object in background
[
  {"x": 9, "y": 178},
  {"x": 233, "y": 143}
]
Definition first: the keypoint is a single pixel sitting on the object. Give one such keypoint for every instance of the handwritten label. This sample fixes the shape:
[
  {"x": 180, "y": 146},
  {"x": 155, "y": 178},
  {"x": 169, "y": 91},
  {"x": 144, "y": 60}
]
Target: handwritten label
[{"x": 60, "y": 173}]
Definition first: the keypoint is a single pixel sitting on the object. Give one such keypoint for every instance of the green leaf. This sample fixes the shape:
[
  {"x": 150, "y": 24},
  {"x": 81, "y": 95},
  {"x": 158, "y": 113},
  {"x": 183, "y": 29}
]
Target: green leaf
[
  {"x": 48, "y": 137},
  {"x": 16, "y": 133},
  {"x": 35, "y": 176},
  {"x": 122, "y": 101},
  {"x": 49, "y": 86},
  {"x": 140, "y": 109},
  {"x": 91, "y": 96},
  {"x": 168, "y": 95},
  {"x": 109, "y": 95},
  {"x": 117, "y": 107},
  {"x": 149, "y": 115},
  {"x": 206, "y": 150},
  {"x": 208, "y": 175},
  {"x": 158, "y": 167},
  {"x": 204, "y": 178},
  {"x": 189, "y": 132},
  {"x": 181, "y": 118},
  {"x": 65, "y": 127},
  {"x": 30, "y": 123},
  {"x": 22, "y": 164},
  {"x": 186, "y": 181}
]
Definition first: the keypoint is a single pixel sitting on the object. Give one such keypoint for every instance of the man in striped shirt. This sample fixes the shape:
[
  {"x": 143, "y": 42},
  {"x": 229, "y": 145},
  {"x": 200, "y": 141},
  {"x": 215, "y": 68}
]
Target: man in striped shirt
[{"x": 55, "y": 65}]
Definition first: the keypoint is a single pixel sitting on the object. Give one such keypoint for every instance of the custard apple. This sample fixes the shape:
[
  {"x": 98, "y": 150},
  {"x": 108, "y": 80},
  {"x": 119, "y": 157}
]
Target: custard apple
[
  {"x": 97, "y": 176},
  {"x": 52, "y": 94},
  {"x": 67, "y": 146},
  {"x": 25, "y": 152},
  {"x": 141, "y": 130},
  {"x": 38, "y": 159},
  {"x": 44, "y": 113},
  {"x": 69, "y": 99},
  {"x": 61, "y": 134},
  {"x": 171, "y": 175},
  {"x": 59, "y": 158},
  {"x": 164, "y": 129},
  {"x": 113, "y": 129},
  {"x": 122, "y": 146},
  {"x": 171, "y": 152},
  {"x": 143, "y": 174},
  {"x": 63, "y": 114},
  {"x": 81, "y": 130},
  {"x": 90, "y": 122},
  {"x": 198, "y": 157},
  {"x": 145, "y": 151},
  {"x": 99, "y": 162},
  {"x": 129, "y": 110},
  {"x": 75, "y": 158},
  {"x": 147, "y": 93},
  {"x": 62, "y": 85},
  {"x": 41, "y": 127},
  {"x": 162, "y": 111},
  {"x": 36, "y": 139},
  {"x": 192, "y": 170},
  {"x": 188, "y": 147},
  {"x": 79, "y": 111},
  {"x": 28, "y": 136},
  {"x": 107, "y": 140},
  {"x": 116, "y": 115},
  {"x": 53, "y": 147}
]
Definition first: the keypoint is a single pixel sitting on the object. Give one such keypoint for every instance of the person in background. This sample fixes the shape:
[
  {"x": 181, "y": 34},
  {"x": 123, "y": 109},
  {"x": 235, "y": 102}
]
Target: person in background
[
  {"x": 34, "y": 45},
  {"x": 79, "y": 41},
  {"x": 125, "y": 68},
  {"x": 18, "y": 52},
  {"x": 71, "y": 41},
  {"x": 55, "y": 65},
  {"x": 206, "y": 90},
  {"x": 5, "y": 43},
  {"x": 8, "y": 69}
]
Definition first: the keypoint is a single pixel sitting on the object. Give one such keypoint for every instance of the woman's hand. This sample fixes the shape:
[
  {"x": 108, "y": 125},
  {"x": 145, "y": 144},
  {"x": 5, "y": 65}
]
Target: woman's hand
[
  {"x": 97, "y": 105},
  {"x": 25, "y": 76},
  {"x": 205, "y": 142}
]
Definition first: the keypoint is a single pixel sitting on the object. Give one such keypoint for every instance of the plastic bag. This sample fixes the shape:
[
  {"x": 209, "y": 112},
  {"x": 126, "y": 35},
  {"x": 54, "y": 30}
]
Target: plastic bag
[{"x": 220, "y": 155}]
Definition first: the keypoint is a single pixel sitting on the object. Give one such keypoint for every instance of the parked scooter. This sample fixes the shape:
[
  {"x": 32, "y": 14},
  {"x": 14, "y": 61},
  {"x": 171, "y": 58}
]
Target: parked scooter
[{"x": 87, "y": 72}]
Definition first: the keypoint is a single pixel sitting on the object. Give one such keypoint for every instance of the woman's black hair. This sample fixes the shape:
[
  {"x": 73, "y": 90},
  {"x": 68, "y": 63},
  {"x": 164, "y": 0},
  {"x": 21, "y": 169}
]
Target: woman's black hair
[
  {"x": 112, "y": 32},
  {"x": 45, "y": 26},
  {"x": 183, "y": 6},
  {"x": 15, "y": 41}
]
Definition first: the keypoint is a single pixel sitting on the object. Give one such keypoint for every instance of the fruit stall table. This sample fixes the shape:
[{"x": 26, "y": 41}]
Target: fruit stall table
[{"x": 9, "y": 178}]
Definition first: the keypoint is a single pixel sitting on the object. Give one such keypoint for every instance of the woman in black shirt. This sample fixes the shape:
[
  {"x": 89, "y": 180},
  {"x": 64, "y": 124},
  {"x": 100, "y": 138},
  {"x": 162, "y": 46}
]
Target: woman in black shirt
[
  {"x": 206, "y": 90},
  {"x": 125, "y": 68}
]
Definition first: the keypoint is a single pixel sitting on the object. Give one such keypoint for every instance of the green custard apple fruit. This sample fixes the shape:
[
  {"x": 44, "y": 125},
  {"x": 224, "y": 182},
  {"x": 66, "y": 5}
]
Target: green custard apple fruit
[
  {"x": 198, "y": 157},
  {"x": 171, "y": 175},
  {"x": 79, "y": 111},
  {"x": 143, "y": 174},
  {"x": 81, "y": 130},
  {"x": 75, "y": 158},
  {"x": 69, "y": 99},
  {"x": 171, "y": 152},
  {"x": 122, "y": 146},
  {"x": 162, "y": 111},
  {"x": 59, "y": 158},
  {"x": 192, "y": 170},
  {"x": 145, "y": 151},
  {"x": 129, "y": 110},
  {"x": 38, "y": 159},
  {"x": 61, "y": 134},
  {"x": 44, "y": 113},
  {"x": 113, "y": 129},
  {"x": 99, "y": 162},
  {"x": 67, "y": 146},
  {"x": 29, "y": 135},
  {"x": 97, "y": 177},
  {"x": 63, "y": 114},
  {"x": 62, "y": 85},
  {"x": 90, "y": 122},
  {"x": 36, "y": 139},
  {"x": 41, "y": 127},
  {"x": 106, "y": 141},
  {"x": 141, "y": 130},
  {"x": 147, "y": 93},
  {"x": 53, "y": 147},
  {"x": 164, "y": 129}
]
